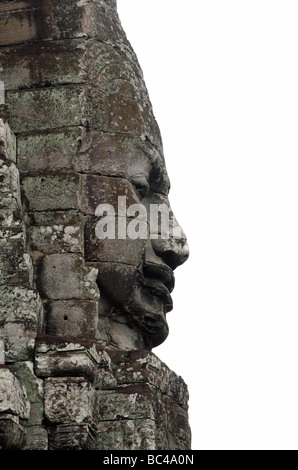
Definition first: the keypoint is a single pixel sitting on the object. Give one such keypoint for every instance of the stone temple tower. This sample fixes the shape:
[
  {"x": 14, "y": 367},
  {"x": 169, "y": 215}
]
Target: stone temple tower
[{"x": 85, "y": 275}]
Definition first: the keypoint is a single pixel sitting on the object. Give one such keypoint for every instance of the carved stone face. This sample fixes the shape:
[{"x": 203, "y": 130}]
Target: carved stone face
[
  {"x": 135, "y": 275},
  {"x": 95, "y": 140},
  {"x": 125, "y": 158}
]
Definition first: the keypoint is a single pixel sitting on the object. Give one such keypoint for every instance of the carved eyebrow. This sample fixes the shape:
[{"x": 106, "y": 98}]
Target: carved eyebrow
[{"x": 158, "y": 178}]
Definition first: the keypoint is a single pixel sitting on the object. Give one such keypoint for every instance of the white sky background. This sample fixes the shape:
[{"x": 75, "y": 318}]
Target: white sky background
[{"x": 222, "y": 76}]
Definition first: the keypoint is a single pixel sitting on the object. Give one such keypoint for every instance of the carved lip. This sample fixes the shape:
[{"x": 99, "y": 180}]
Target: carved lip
[{"x": 160, "y": 280}]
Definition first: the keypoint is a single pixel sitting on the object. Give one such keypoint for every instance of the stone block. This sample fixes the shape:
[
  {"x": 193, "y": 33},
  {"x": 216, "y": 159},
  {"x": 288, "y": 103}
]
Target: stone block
[
  {"x": 36, "y": 438},
  {"x": 79, "y": 283},
  {"x": 126, "y": 435},
  {"x": 56, "y": 232},
  {"x": 9, "y": 184},
  {"x": 112, "y": 3},
  {"x": 25, "y": 373},
  {"x": 176, "y": 426},
  {"x": 112, "y": 250},
  {"x": 127, "y": 402},
  {"x": 10, "y": 200},
  {"x": 10, "y": 215},
  {"x": 71, "y": 436},
  {"x": 124, "y": 115},
  {"x": 147, "y": 392},
  {"x": 56, "y": 357},
  {"x": 72, "y": 319},
  {"x": 105, "y": 380},
  {"x": 19, "y": 341},
  {"x": 113, "y": 155},
  {"x": 69, "y": 400},
  {"x": 118, "y": 281},
  {"x": 19, "y": 304},
  {"x": 13, "y": 397},
  {"x": 7, "y": 141},
  {"x": 21, "y": 318},
  {"x": 27, "y": 65},
  {"x": 16, "y": 265},
  {"x": 144, "y": 366},
  {"x": 105, "y": 190},
  {"x": 49, "y": 151},
  {"x": 33, "y": 21},
  {"x": 51, "y": 192},
  {"x": 41, "y": 20},
  {"x": 46, "y": 108},
  {"x": 118, "y": 87},
  {"x": 11, "y": 432}
]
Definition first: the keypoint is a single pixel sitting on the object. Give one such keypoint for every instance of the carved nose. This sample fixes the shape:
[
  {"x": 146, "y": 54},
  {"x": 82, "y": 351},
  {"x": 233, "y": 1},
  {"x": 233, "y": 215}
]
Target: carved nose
[
  {"x": 173, "y": 251},
  {"x": 172, "y": 245}
]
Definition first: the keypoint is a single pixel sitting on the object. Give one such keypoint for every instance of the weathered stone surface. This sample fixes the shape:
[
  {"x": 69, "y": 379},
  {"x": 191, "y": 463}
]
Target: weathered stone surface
[
  {"x": 75, "y": 319},
  {"x": 58, "y": 357},
  {"x": 80, "y": 282},
  {"x": 11, "y": 432},
  {"x": 21, "y": 317},
  {"x": 34, "y": 391},
  {"x": 146, "y": 393},
  {"x": 71, "y": 436},
  {"x": 112, "y": 250},
  {"x": 126, "y": 435},
  {"x": 114, "y": 155},
  {"x": 10, "y": 217},
  {"x": 7, "y": 142},
  {"x": 10, "y": 200},
  {"x": 147, "y": 367},
  {"x": 175, "y": 428},
  {"x": 33, "y": 21},
  {"x": 9, "y": 184},
  {"x": 13, "y": 397},
  {"x": 117, "y": 280},
  {"x": 36, "y": 438},
  {"x": 56, "y": 232},
  {"x": 19, "y": 304},
  {"x": 46, "y": 108},
  {"x": 51, "y": 192},
  {"x": 27, "y": 65},
  {"x": 68, "y": 400},
  {"x": 85, "y": 134},
  {"x": 46, "y": 152},
  {"x": 105, "y": 190},
  {"x": 127, "y": 402},
  {"x": 105, "y": 380},
  {"x": 16, "y": 266},
  {"x": 19, "y": 341},
  {"x": 124, "y": 115}
]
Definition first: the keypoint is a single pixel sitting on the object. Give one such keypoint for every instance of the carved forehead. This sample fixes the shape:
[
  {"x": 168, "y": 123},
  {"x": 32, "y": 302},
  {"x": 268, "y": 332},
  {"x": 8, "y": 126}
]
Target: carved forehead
[{"x": 123, "y": 105}]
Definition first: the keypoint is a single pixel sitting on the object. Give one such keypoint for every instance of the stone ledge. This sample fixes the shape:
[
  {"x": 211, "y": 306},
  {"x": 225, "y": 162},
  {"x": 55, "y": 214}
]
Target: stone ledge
[
  {"x": 61, "y": 357},
  {"x": 145, "y": 366}
]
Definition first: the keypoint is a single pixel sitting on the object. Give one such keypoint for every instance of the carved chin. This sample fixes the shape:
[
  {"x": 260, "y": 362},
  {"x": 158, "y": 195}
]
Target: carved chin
[
  {"x": 154, "y": 328},
  {"x": 147, "y": 313},
  {"x": 144, "y": 301}
]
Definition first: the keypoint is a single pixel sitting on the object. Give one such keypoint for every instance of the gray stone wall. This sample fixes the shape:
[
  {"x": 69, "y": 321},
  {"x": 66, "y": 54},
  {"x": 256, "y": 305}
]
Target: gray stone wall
[{"x": 76, "y": 106}]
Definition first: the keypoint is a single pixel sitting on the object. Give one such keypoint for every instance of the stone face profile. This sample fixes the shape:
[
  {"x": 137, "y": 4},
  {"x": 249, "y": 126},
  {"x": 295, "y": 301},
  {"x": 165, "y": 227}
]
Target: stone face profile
[{"x": 86, "y": 264}]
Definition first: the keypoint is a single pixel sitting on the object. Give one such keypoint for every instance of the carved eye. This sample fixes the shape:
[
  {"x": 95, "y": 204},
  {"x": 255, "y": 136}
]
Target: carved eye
[{"x": 143, "y": 190}]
